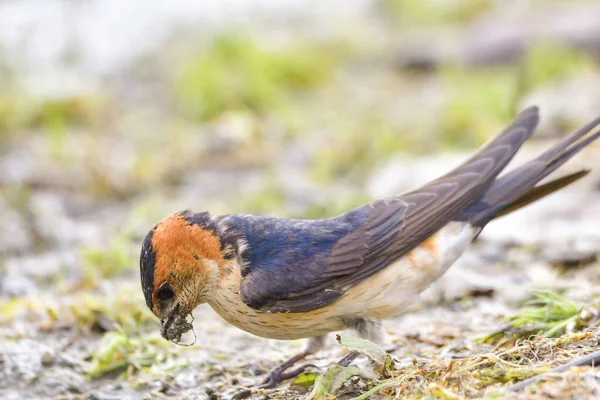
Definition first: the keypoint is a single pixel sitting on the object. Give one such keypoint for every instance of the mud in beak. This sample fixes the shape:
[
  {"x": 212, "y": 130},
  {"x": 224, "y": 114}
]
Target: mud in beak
[{"x": 175, "y": 326}]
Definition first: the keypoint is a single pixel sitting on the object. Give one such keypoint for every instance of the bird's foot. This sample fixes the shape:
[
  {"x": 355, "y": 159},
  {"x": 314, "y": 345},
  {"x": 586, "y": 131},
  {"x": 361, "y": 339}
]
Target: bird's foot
[
  {"x": 281, "y": 373},
  {"x": 348, "y": 358},
  {"x": 278, "y": 375}
]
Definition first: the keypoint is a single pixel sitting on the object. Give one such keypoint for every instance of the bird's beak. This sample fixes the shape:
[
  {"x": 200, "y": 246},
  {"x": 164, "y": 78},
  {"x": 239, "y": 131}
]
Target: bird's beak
[{"x": 175, "y": 324}]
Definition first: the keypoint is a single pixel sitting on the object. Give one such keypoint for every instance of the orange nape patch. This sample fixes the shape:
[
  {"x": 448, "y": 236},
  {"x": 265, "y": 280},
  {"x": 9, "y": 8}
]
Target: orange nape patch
[{"x": 179, "y": 246}]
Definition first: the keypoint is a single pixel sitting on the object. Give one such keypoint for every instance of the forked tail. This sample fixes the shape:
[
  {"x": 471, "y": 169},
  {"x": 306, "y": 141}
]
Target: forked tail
[{"x": 517, "y": 188}]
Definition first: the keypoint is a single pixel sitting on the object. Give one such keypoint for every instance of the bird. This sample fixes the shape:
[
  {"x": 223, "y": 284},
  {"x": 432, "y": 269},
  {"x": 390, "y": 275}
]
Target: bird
[{"x": 290, "y": 278}]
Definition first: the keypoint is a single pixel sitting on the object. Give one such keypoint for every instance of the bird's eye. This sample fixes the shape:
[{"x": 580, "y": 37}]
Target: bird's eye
[{"x": 165, "y": 293}]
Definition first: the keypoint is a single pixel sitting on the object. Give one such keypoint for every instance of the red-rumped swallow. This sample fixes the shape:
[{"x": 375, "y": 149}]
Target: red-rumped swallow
[{"x": 289, "y": 279}]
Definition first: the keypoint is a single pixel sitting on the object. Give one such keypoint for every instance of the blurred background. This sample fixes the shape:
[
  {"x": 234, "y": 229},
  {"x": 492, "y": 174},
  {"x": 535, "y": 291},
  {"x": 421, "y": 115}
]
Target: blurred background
[{"x": 113, "y": 115}]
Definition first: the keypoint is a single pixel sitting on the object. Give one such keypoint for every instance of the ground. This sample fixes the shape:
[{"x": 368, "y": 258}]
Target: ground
[{"x": 108, "y": 127}]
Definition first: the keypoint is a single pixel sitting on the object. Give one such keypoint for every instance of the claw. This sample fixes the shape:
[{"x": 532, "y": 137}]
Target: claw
[{"x": 278, "y": 374}]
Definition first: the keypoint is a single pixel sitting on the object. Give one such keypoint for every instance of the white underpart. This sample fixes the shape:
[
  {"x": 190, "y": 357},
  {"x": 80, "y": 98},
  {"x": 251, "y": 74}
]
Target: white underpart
[
  {"x": 455, "y": 238},
  {"x": 391, "y": 291}
]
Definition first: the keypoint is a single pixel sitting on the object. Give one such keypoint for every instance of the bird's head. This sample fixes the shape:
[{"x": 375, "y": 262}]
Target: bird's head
[{"x": 179, "y": 267}]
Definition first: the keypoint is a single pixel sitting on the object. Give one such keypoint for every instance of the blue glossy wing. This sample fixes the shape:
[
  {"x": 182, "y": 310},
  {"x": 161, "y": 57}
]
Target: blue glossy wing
[{"x": 298, "y": 266}]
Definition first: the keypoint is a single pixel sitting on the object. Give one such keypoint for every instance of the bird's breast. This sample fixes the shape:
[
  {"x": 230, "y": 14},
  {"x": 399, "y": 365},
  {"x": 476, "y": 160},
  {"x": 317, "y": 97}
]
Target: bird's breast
[{"x": 227, "y": 303}]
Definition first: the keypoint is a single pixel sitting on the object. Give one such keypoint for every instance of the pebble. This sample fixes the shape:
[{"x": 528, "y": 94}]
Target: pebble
[{"x": 47, "y": 358}]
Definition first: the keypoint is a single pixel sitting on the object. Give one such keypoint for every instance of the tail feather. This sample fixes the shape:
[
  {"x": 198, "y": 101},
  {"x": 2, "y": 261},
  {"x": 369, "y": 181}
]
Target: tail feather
[
  {"x": 570, "y": 152},
  {"x": 557, "y": 149},
  {"x": 542, "y": 191},
  {"x": 518, "y": 187}
]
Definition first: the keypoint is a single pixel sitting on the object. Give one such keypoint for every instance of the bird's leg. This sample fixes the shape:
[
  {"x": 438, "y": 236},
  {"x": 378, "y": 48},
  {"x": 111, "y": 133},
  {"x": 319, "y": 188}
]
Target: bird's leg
[
  {"x": 366, "y": 329},
  {"x": 348, "y": 358},
  {"x": 280, "y": 373}
]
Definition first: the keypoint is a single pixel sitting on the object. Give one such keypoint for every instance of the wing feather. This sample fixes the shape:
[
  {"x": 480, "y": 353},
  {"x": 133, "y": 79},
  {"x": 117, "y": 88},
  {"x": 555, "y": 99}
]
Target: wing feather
[{"x": 348, "y": 249}]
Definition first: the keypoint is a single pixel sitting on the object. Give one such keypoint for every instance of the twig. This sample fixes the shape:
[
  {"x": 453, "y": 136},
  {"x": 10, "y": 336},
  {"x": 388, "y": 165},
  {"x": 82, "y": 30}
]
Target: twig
[{"x": 591, "y": 359}]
